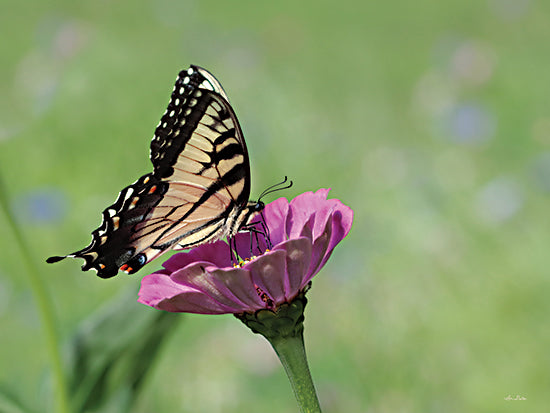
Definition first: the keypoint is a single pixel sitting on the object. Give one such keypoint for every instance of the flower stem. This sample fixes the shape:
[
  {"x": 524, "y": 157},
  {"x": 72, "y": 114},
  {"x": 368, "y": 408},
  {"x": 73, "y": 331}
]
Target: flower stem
[
  {"x": 291, "y": 352},
  {"x": 284, "y": 329},
  {"x": 44, "y": 305}
]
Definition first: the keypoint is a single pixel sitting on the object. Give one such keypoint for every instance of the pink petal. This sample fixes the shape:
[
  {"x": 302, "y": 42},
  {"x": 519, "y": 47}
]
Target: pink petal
[
  {"x": 321, "y": 211},
  {"x": 275, "y": 215},
  {"x": 216, "y": 253},
  {"x": 156, "y": 287},
  {"x": 192, "y": 302},
  {"x": 160, "y": 291},
  {"x": 268, "y": 273},
  {"x": 324, "y": 214},
  {"x": 319, "y": 251},
  {"x": 239, "y": 283},
  {"x": 298, "y": 257},
  {"x": 342, "y": 219},
  {"x": 303, "y": 207},
  {"x": 228, "y": 287}
]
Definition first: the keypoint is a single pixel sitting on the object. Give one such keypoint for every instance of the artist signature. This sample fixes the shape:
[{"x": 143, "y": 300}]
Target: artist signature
[{"x": 517, "y": 397}]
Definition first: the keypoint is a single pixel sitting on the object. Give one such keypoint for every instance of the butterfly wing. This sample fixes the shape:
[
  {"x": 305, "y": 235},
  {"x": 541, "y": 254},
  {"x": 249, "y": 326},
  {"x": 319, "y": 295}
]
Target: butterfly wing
[
  {"x": 110, "y": 247},
  {"x": 200, "y": 132},
  {"x": 201, "y": 177}
]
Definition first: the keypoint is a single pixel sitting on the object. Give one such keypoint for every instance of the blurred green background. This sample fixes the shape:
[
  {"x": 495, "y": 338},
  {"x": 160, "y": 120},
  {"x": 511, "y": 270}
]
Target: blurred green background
[{"x": 430, "y": 119}]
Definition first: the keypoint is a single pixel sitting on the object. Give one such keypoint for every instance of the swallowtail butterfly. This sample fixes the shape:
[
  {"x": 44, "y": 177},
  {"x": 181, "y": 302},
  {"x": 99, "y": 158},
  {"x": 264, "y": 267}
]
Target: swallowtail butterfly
[{"x": 197, "y": 193}]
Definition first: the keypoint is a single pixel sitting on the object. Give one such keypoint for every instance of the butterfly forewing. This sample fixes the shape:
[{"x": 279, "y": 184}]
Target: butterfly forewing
[{"x": 201, "y": 178}]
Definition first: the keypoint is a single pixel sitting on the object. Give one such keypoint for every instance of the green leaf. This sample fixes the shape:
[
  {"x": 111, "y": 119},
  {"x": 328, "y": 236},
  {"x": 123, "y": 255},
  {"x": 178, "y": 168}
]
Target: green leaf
[
  {"x": 10, "y": 403},
  {"x": 113, "y": 351}
]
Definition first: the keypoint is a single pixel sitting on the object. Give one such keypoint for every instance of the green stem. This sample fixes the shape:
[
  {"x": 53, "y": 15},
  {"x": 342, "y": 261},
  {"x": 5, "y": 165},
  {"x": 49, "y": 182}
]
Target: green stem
[
  {"x": 284, "y": 329},
  {"x": 292, "y": 353},
  {"x": 44, "y": 306}
]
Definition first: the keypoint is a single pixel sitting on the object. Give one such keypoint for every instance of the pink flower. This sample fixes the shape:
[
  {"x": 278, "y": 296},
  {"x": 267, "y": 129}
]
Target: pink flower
[{"x": 303, "y": 232}]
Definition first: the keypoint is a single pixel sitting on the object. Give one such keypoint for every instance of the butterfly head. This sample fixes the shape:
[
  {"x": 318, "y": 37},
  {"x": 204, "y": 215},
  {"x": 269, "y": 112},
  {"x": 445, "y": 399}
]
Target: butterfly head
[
  {"x": 257, "y": 206},
  {"x": 247, "y": 217},
  {"x": 250, "y": 211}
]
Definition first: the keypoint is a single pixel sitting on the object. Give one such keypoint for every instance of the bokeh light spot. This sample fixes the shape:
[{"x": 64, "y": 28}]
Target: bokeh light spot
[
  {"x": 473, "y": 63},
  {"x": 499, "y": 200},
  {"x": 541, "y": 171}
]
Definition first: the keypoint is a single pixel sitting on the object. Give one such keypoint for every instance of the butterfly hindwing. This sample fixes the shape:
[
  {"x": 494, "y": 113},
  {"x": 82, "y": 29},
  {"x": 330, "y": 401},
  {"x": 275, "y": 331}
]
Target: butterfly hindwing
[{"x": 110, "y": 249}]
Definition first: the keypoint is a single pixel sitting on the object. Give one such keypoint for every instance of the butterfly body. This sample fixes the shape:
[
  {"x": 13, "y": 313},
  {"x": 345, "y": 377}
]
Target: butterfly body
[{"x": 198, "y": 191}]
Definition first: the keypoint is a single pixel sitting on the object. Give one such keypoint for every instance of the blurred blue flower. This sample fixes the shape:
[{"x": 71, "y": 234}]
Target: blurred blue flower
[
  {"x": 469, "y": 123},
  {"x": 40, "y": 206}
]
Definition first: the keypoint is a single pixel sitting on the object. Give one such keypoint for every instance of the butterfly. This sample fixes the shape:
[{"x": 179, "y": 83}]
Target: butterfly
[{"x": 198, "y": 191}]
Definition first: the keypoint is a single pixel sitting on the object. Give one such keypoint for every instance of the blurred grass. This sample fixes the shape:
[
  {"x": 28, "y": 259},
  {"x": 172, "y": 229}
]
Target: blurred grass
[{"x": 430, "y": 119}]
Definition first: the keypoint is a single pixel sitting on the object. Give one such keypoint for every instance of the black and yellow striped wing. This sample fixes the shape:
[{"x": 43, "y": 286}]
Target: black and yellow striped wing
[{"x": 198, "y": 190}]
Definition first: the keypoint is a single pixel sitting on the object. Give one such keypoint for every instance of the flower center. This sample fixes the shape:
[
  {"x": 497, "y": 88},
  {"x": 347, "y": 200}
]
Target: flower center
[{"x": 247, "y": 260}]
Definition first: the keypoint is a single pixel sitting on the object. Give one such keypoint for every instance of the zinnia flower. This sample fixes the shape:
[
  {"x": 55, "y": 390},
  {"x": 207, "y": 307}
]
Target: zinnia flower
[{"x": 303, "y": 233}]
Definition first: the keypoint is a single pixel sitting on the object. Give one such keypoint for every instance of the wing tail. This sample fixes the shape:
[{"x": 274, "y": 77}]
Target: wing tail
[{"x": 56, "y": 258}]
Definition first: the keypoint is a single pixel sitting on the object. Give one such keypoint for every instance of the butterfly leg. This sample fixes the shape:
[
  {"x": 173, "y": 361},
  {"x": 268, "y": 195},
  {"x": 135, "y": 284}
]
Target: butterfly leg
[
  {"x": 233, "y": 253},
  {"x": 264, "y": 231},
  {"x": 254, "y": 234}
]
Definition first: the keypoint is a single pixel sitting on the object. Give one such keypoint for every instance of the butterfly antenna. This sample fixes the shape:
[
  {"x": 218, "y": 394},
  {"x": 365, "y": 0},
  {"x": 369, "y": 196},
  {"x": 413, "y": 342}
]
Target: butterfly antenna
[
  {"x": 275, "y": 188},
  {"x": 284, "y": 184}
]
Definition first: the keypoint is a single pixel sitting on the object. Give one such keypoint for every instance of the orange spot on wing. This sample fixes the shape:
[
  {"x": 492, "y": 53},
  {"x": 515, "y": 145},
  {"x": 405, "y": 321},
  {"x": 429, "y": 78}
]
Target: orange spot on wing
[
  {"x": 116, "y": 221},
  {"x": 123, "y": 267},
  {"x": 153, "y": 189}
]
